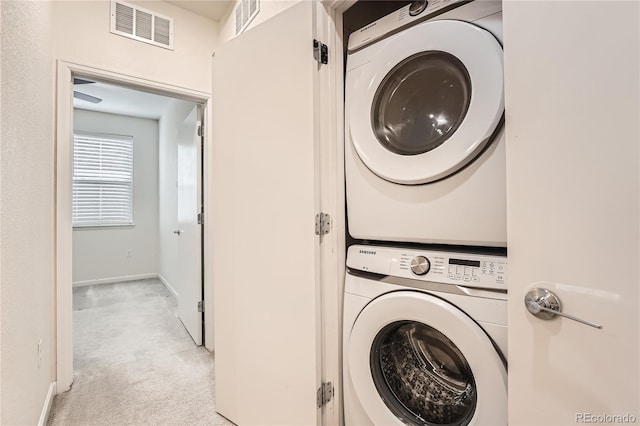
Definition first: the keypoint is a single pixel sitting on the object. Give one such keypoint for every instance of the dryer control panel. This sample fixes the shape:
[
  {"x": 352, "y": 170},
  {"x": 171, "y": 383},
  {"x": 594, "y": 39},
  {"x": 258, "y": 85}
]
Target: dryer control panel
[
  {"x": 415, "y": 13},
  {"x": 464, "y": 269},
  {"x": 398, "y": 20}
]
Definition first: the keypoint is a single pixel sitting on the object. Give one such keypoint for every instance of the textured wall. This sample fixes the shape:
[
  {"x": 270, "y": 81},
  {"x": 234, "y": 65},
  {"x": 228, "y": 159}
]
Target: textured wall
[
  {"x": 26, "y": 200},
  {"x": 102, "y": 253},
  {"x": 0, "y": 220},
  {"x": 82, "y": 36},
  {"x": 34, "y": 34}
]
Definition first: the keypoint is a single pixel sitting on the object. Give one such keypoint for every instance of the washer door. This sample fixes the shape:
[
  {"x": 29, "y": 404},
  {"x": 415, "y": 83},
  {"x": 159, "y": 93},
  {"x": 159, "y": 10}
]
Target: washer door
[
  {"x": 428, "y": 102},
  {"x": 415, "y": 359}
]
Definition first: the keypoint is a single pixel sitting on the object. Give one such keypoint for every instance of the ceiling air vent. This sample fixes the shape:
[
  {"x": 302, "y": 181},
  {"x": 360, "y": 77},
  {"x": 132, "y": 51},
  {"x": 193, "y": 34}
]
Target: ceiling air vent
[
  {"x": 141, "y": 24},
  {"x": 245, "y": 11}
]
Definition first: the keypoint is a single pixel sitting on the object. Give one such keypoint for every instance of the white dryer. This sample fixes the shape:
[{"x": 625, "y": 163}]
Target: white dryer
[
  {"x": 421, "y": 346},
  {"x": 424, "y": 112}
]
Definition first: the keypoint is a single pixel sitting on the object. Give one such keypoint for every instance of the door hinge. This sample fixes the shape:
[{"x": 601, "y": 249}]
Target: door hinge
[
  {"x": 200, "y": 130},
  {"x": 320, "y": 52},
  {"x": 323, "y": 223},
  {"x": 201, "y": 306},
  {"x": 201, "y": 218},
  {"x": 324, "y": 394}
]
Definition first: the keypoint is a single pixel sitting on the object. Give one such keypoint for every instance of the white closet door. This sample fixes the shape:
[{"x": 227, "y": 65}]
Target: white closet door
[
  {"x": 188, "y": 232},
  {"x": 573, "y": 184},
  {"x": 265, "y": 250}
]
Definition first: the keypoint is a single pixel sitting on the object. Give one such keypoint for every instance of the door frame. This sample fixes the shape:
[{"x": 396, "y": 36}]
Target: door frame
[
  {"x": 63, "y": 301},
  {"x": 330, "y": 111}
]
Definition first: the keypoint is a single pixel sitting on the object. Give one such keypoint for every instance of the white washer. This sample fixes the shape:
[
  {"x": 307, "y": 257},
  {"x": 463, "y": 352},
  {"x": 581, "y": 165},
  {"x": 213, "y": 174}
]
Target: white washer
[
  {"x": 420, "y": 345},
  {"x": 424, "y": 109}
]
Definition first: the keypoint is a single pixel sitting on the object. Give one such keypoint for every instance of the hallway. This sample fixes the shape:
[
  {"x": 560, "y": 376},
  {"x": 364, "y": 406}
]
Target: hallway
[{"x": 134, "y": 363}]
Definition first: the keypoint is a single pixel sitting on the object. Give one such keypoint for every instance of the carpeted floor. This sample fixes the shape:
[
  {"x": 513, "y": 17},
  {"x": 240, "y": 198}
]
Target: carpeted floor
[{"x": 134, "y": 363}]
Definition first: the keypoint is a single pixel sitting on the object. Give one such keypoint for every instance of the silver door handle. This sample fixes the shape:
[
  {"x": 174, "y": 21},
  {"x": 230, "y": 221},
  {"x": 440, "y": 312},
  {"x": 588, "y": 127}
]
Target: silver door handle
[
  {"x": 178, "y": 231},
  {"x": 545, "y": 305}
]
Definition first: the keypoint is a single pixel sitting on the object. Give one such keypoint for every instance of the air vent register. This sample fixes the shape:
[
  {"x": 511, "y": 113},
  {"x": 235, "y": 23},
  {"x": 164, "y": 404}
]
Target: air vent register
[{"x": 141, "y": 24}]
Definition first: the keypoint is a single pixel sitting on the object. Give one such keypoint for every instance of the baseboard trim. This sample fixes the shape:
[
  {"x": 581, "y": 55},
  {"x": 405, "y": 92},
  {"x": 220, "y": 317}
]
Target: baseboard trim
[
  {"x": 114, "y": 279},
  {"x": 46, "y": 408},
  {"x": 167, "y": 285}
]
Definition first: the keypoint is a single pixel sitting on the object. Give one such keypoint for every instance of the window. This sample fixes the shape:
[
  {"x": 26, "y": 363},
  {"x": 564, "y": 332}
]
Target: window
[{"x": 102, "y": 179}]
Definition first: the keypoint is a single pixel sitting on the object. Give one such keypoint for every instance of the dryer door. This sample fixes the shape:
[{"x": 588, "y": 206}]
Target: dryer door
[
  {"x": 429, "y": 102},
  {"x": 416, "y": 359}
]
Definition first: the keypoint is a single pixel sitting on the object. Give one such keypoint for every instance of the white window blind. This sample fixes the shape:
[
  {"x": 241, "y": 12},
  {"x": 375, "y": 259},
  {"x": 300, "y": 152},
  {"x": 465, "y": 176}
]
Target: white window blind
[{"x": 102, "y": 179}]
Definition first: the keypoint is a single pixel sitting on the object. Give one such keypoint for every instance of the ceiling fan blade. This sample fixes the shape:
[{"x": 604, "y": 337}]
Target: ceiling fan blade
[
  {"x": 82, "y": 81},
  {"x": 85, "y": 97}
]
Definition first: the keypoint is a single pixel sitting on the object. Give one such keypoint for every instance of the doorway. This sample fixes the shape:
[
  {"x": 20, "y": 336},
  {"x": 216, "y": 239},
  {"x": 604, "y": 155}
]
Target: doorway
[
  {"x": 188, "y": 115},
  {"x": 136, "y": 192}
]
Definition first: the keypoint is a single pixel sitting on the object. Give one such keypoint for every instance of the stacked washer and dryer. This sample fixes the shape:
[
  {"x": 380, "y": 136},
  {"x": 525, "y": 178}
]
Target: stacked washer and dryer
[{"x": 425, "y": 307}]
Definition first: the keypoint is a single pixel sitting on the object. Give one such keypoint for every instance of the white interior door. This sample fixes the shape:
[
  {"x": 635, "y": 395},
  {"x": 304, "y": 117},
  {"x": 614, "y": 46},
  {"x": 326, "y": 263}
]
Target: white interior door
[
  {"x": 265, "y": 249},
  {"x": 188, "y": 231},
  {"x": 573, "y": 209}
]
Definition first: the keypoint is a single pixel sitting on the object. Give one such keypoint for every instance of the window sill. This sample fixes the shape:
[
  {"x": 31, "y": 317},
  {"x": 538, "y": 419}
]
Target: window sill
[{"x": 107, "y": 226}]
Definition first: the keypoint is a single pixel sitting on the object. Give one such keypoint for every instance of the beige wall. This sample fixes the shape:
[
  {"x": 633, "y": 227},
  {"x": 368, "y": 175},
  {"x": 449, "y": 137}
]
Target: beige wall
[
  {"x": 81, "y": 35},
  {"x": 26, "y": 200},
  {"x": 1, "y": 19},
  {"x": 268, "y": 9},
  {"x": 34, "y": 35},
  {"x": 101, "y": 253}
]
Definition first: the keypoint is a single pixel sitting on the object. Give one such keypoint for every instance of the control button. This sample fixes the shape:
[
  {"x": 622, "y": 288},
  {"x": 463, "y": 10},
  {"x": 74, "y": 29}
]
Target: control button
[
  {"x": 417, "y": 7},
  {"x": 467, "y": 278},
  {"x": 476, "y": 279},
  {"x": 420, "y": 265}
]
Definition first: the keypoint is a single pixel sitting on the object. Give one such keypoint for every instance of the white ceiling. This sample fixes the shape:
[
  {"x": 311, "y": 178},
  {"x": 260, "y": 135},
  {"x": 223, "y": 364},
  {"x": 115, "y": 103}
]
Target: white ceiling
[
  {"x": 120, "y": 100},
  {"x": 212, "y": 9}
]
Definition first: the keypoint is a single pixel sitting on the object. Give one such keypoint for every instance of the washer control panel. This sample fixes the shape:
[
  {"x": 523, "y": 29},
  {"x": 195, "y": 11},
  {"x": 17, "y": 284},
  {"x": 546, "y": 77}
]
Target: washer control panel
[
  {"x": 465, "y": 269},
  {"x": 420, "y": 265}
]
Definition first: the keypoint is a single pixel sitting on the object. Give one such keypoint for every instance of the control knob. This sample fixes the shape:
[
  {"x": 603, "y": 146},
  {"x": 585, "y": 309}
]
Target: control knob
[
  {"x": 417, "y": 7},
  {"x": 420, "y": 265}
]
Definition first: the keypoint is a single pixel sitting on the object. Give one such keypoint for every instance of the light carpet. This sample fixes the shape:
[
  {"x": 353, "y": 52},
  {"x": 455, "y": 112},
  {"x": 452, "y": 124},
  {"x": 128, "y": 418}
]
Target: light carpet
[{"x": 134, "y": 363}]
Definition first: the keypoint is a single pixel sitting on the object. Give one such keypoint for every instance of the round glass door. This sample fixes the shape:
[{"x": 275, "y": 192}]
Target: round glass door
[
  {"x": 415, "y": 359},
  {"x": 421, "y": 103},
  {"x": 422, "y": 376},
  {"x": 426, "y": 101}
]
